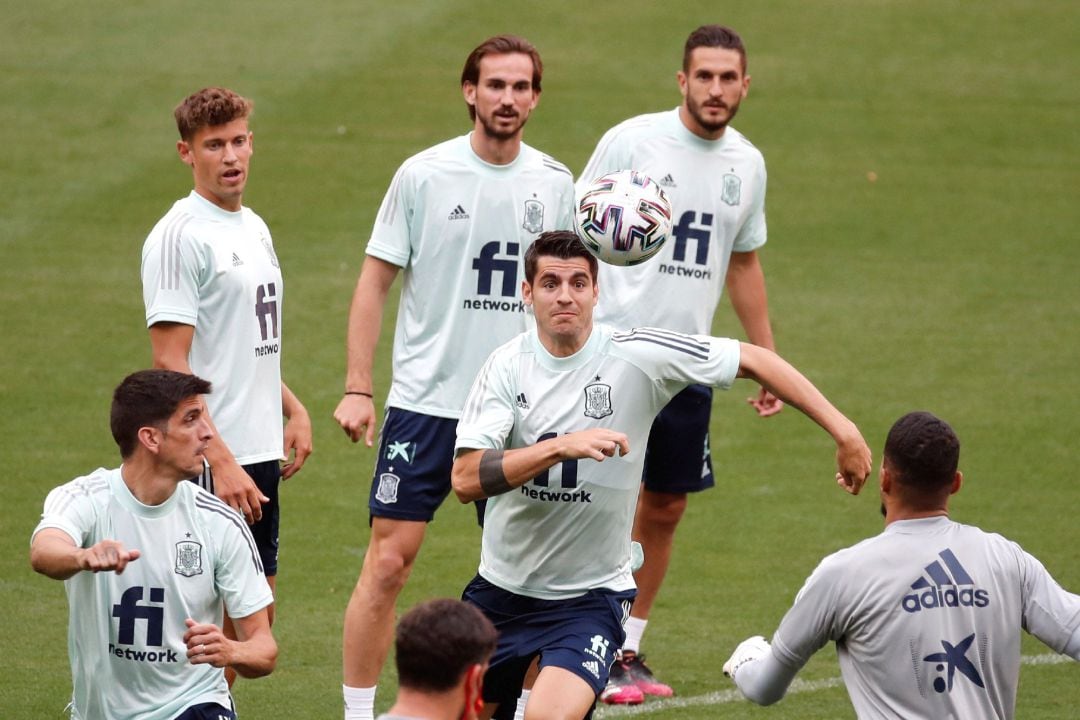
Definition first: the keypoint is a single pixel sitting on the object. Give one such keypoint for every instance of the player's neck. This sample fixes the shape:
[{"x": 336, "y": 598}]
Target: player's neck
[
  {"x": 232, "y": 203},
  {"x": 424, "y": 705},
  {"x": 147, "y": 482},
  {"x": 497, "y": 151},
  {"x": 900, "y": 513}
]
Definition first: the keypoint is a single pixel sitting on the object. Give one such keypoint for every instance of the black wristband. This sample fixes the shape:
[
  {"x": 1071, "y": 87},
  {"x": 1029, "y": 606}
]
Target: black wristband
[{"x": 492, "y": 479}]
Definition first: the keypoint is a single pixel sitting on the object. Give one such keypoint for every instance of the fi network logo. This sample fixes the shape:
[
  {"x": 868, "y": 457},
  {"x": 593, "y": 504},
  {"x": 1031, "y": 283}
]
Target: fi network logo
[{"x": 938, "y": 589}]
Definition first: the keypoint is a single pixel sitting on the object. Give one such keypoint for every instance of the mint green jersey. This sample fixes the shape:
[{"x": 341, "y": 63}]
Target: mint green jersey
[
  {"x": 125, "y": 632},
  {"x": 567, "y": 531},
  {"x": 459, "y": 228}
]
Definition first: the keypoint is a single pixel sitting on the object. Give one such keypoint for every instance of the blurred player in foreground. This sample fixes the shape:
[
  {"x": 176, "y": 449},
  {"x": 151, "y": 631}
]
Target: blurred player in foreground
[
  {"x": 441, "y": 650},
  {"x": 457, "y": 219},
  {"x": 715, "y": 179},
  {"x": 148, "y": 563},
  {"x": 927, "y": 615},
  {"x": 553, "y": 433}
]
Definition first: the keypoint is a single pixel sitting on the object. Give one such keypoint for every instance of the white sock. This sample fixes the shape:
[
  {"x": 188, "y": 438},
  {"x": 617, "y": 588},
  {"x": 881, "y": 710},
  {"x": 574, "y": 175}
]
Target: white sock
[
  {"x": 359, "y": 702},
  {"x": 635, "y": 628},
  {"x": 519, "y": 713}
]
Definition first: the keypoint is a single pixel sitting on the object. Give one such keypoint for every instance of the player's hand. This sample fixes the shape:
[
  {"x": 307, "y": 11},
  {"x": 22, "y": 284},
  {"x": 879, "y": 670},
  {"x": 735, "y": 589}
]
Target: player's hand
[
  {"x": 853, "y": 462},
  {"x": 747, "y": 651},
  {"x": 297, "y": 442},
  {"x": 356, "y": 416},
  {"x": 765, "y": 403},
  {"x": 107, "y": 555},
  {"x": 238, "y": 490},
  {"x": 207, "y": 645},
  {"x": 595, "y": 443}
]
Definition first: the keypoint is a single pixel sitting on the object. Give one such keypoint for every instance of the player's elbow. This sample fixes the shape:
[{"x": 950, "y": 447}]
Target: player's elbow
[
  {"x": 264, "y": 663},
  {"x": 465, "y": 478}
]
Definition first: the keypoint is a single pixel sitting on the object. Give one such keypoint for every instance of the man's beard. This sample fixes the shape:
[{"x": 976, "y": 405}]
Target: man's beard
[
  {"x": 492, "y": 131},
  {"x": 709, "y": 125}
]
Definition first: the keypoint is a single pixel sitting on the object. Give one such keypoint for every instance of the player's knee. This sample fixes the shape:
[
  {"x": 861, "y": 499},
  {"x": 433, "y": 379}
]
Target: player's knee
[{"x": 387, "y": 569}]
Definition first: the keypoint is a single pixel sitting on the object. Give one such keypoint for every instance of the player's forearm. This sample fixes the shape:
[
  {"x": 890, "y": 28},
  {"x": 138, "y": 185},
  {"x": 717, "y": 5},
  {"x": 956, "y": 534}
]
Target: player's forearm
[
  {"x": 785, "y": 382},
  {"x": 764, "y": 681},
  {"x": 53, "y": 557},
  {"x": 477, "y": 474},
  {"x": 365, "y": 322},
  {"x": 746, "y": 290},
  {"x": 256, "y": 656},
  {"x": 290, "y": 404}
]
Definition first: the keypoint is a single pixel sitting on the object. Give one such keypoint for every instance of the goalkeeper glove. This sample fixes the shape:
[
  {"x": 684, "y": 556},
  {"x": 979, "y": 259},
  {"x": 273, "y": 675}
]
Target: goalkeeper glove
[{"x": 749, "y": 649}]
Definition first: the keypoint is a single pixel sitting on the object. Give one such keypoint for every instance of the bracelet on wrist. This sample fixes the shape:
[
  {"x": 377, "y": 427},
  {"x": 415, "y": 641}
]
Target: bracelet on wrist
[{"x": 360, "y": 392}]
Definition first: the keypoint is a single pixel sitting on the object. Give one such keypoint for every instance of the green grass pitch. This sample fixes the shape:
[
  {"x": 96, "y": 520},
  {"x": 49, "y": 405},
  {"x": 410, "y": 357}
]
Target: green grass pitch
[{"x": 948, "y": 282}]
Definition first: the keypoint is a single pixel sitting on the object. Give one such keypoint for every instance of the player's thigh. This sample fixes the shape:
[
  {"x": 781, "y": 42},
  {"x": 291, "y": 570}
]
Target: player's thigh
[
  {"x": 559, "y": 694},
  {"x": 677, "y": 458},
  {"x": 412, "y": 471}
]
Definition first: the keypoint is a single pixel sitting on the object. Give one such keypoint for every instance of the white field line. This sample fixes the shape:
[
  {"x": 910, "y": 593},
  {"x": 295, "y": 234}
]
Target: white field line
[{"x": 722, "y": 697}]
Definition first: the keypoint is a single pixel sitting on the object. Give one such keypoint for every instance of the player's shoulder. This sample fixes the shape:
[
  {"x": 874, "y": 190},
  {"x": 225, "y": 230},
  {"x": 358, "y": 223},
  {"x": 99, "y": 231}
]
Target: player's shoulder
[
  {"x": 92, "y": 488},
  {"x": 644, "y": 125},
  {"x": 211, "y": 509},
  {"x": 434, "y": 158},
  {"x": 647, "y": 342},
  {"x": 741, "y": 144},
  {"x": 540, "y": 161}
]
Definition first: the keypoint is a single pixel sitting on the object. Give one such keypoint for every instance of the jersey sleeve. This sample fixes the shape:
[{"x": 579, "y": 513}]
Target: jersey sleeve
[
  {"x": 1051, "y": 613},
  {"x": 172, "y": 269},
  {"x": 677, "y": 359},
  {"x": 488, "y": 415},
  {"x": 390, "y": 238},
  {"x": 812, "y": 620},
  {"x": 239, "y": 573},
  {"x": 69, "y": 508},
  {"x": 753, "y": 232}
]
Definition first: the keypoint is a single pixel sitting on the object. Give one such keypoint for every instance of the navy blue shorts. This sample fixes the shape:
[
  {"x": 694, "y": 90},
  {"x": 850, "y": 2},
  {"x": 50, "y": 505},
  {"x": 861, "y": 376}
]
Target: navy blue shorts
[
  {"x": 580, "y": 635},
  {"x": 412, "y": 473},
  {"x": 677, "y": 458},
  {"x": 206, "y": 711},
  {"x": 267, "y": 477}
]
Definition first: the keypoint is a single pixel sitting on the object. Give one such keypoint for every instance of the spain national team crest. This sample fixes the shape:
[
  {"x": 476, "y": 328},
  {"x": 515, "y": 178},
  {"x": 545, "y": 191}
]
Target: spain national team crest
[
  {"x": 269, "y": 250},
  {"x": 534, "y": 216},
  {"x": 732, "y": 189},
  {"x": 387, "y": 490},
  {"x": 597, "y": 400},
  {"x": 188, "y": 558}
]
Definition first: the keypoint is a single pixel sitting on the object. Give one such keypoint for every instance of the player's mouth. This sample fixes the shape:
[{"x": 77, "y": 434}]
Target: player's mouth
[{"x": 232, "y": 175}]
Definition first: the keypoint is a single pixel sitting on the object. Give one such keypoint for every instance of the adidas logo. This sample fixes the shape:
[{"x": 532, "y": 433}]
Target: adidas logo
[
  {"x": 458, "y": 213},
  {"x": 236, "y": 261},
  {"x": 593, "y": 667},
  {"x": 666, "y": 181},
  {"x": 522, "y": 402},
  {"x": 943, "y": 590}
]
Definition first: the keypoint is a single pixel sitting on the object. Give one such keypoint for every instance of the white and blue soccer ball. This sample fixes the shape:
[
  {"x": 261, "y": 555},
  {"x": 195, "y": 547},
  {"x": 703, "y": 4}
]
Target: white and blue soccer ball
[{"x": 623, "y": 217}]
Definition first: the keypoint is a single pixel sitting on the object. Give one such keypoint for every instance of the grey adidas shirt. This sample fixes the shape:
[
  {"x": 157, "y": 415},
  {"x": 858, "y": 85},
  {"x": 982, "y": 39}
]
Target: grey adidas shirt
[{"x": 927, "y": 617}]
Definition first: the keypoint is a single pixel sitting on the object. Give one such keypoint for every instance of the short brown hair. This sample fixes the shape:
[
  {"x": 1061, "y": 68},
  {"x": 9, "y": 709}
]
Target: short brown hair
[
  {"x": 208, "y": 107},
  {"x": 149, "y": 398},
  {"x": 500, "y": 45},
  {"x": 438, "y": 641},
  {"x": 563, "y": 244},
  {"x": 717, "y": 36}
]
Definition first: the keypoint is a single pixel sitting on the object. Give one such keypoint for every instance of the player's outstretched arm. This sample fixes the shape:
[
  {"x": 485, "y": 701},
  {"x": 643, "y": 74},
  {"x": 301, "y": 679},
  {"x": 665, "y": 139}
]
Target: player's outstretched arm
[
  {"x": 54, "y": 554},
  {"x": 253, "y": 654},
  {"x": 757, "y": 672},
  {"x": 356, "y": 411},
  {"x": 297, "y": 433},
  {"x": 480, "y": 474},
  {"x": 853, "y": 458}
]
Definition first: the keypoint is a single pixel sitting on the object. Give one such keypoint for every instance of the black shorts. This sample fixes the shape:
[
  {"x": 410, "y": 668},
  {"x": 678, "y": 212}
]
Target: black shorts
[
  {"x": 206, "y": 711},
  {"x": 677, "y": 458},
  {"x": 267, "y": 477}
]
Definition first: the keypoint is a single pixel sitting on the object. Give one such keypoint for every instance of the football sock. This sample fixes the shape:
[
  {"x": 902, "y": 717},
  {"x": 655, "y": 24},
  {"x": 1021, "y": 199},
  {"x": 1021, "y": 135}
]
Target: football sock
[
  {"x": 635, "y": 628},
  {"x": 519, "y": 713},
  {"x": 359, "y": 702}
]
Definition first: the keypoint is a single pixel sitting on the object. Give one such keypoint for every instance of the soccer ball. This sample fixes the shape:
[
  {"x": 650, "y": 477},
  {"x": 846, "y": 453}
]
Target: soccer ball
[{"x": 623, "y": 218}]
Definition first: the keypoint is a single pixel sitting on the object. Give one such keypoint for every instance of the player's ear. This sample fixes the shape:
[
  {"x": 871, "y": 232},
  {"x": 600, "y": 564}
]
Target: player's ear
[
  {"x": 468, "y": 90},
  {"x": 150, "y": 438},
  {"x": 957, "y": 483},
  {"x": 526, "y": 292},
  {"x": 184, "y": 150}
]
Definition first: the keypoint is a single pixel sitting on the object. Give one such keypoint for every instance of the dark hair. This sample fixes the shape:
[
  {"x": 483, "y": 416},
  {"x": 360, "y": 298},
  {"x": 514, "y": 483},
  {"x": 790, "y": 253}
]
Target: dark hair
[
  {"x": 438, "y": 641},
  {"x": 717, "y": 36},
  {"x": 563, "y": 244},
  {"x": 149, "y": 398},
  {"x": 500, "y": 45},
  {"x": 923, "y": 452},
  {"x": 208, "y": 107}
]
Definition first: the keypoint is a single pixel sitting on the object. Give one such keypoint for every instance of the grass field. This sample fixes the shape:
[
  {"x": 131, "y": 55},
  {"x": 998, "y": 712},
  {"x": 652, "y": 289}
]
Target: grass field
[{"x": 948, "y": 283}]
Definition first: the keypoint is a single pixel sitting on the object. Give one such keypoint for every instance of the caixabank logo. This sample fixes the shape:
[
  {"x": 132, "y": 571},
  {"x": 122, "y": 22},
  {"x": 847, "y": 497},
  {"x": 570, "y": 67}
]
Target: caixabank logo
[{"x": 945, "y": 585}]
